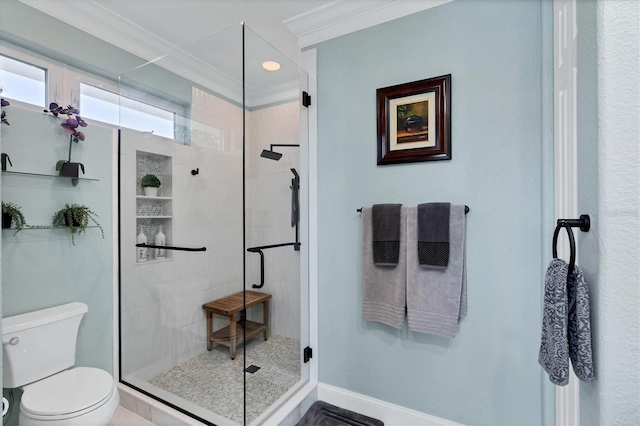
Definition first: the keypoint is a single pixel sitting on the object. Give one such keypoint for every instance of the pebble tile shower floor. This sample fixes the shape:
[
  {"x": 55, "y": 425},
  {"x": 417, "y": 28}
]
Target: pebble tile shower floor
[{"x": 213, "y": 381}]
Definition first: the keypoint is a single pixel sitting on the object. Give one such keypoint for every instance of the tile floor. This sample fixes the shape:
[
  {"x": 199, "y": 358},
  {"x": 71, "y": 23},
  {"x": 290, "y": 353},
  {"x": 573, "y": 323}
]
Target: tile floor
[{"x": 215, "y": 382}]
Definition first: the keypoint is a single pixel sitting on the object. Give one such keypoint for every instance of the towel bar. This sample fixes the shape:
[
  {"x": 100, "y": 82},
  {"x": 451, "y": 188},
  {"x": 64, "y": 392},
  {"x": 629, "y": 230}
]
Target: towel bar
[
  {"x": 584, "y": 223},
  {"x": 466, "y": 210}
]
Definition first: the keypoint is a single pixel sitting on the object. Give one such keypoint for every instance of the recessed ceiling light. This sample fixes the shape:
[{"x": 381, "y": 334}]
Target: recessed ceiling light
[{"x": 271, "y": 66}]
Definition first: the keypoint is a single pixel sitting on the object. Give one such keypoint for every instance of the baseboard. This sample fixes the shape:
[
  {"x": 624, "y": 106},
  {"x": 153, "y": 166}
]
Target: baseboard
[{"x": 390, "y": 414}]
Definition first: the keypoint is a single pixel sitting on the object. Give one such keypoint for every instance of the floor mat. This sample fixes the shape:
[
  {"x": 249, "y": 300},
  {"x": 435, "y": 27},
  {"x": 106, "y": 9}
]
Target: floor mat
[{"x": 323, "y": 414}]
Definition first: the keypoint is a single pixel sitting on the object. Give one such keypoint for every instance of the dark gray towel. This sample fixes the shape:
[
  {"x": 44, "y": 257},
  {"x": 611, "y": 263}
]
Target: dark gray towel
[
  {"x": 385, "y": 222},
  {"x": 554, "y": 345},
  {"x": 433, "y": 235},
  {"x": 580, "y": 326}
]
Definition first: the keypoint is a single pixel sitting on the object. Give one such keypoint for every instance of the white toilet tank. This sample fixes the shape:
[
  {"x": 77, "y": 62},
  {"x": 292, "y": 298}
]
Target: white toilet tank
[{"x": 38, "y": 344}]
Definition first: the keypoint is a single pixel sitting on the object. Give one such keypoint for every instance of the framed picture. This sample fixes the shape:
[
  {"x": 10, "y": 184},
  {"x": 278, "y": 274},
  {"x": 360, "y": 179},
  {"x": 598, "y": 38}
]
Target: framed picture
[{"x": 414, "y": 121}]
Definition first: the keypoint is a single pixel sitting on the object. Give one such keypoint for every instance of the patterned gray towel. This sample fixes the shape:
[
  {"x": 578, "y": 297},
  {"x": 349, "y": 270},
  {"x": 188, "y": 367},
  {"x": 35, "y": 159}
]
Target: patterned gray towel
[
  {"x": 580, "y": 326},
  {"x": 554, "y": 345}
]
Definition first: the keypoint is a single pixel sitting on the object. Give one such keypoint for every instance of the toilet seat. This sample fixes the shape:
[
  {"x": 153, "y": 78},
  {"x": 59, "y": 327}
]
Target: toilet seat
[{"x": 70, "y": 393}]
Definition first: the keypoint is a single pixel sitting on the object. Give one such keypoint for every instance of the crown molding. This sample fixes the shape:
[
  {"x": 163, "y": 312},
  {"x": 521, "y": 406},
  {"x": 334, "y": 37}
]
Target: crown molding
[
  {"x": 93, "y": 18},
  {"x": 341, "y": 17}
]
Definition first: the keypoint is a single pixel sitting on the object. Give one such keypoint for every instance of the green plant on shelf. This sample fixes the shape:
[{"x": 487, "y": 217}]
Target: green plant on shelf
[
  {"x": 150, "y": 181},
  {"x": 12, "y": 214},
  {"x": 76, "y": 217}
]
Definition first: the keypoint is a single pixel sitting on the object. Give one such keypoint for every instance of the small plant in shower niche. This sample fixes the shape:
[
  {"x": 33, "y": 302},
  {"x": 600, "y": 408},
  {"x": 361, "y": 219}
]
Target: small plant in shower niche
[
  {"x": 150, "y": 184},
  {"x": 75, "y": 217},
  {"x": 72, "y": 123}
]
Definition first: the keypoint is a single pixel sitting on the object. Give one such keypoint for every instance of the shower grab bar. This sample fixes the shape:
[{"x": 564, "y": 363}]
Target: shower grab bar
[
  {"x": 172, "y": 248},
  {"x": 466, "y": 209},
  {"x": 296, "y": 246}
]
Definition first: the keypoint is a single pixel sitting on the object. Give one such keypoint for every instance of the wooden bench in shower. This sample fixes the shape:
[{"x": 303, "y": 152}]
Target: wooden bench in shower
[{"x": 232, "y": 334}]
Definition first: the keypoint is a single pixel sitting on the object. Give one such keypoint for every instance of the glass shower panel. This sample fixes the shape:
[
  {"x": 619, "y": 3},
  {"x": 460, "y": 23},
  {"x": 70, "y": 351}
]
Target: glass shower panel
[
  {"x": 276, "y": 227},
  {"x": 179, "y": 304}
]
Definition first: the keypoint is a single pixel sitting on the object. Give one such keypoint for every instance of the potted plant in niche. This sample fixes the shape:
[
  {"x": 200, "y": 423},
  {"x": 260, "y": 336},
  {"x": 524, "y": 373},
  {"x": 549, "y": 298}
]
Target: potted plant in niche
[
  {"x": 75, "y": 217},
  {"x": 150, "y": 184},
  {"x": 71, "y": 124},
  {"x": 11, "y": 213}
]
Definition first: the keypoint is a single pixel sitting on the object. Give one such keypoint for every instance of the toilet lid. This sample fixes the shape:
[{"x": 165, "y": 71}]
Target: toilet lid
[{"x": 67, "y": 392}]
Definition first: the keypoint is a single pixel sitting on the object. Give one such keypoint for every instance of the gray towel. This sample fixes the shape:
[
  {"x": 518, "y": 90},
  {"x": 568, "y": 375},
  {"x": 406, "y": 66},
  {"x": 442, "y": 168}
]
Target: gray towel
[
  {"x": 383, "y": 289},
  {"x": 386, "y": 234},
  {"x": 436, "y": 298},
  {"x": 580, "y": 326},
  {"x": 554, "y": 345},
  {"x": 433, "y": 235}
]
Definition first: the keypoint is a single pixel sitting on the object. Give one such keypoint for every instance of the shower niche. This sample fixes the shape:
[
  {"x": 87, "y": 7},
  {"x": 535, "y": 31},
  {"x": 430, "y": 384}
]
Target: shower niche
[{"x": 154, "y": 213}]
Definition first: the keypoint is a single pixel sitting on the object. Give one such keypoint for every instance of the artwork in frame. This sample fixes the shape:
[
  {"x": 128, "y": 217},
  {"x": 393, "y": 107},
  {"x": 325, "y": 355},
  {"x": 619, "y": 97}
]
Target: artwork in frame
[{"x": 414, "y": 121}]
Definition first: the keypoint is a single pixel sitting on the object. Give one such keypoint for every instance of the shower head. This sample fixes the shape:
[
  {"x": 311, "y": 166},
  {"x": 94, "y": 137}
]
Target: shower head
[{"x": 271, "y": 155}]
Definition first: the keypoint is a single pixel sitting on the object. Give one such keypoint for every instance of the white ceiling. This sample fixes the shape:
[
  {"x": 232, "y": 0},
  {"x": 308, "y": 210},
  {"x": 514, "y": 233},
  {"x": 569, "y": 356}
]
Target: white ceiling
[{"x": 151, "y": 29}]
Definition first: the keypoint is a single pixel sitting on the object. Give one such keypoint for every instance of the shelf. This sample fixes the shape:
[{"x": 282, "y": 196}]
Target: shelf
[
  {"x": 223, "y": 336},
  {"x": 144, "y": 197},
  {"x": 37, "y": 228},
  {"x": 154, "y": 217},
  {"x": 46, "y": 175},
  {"x": 168, "y": 259}
]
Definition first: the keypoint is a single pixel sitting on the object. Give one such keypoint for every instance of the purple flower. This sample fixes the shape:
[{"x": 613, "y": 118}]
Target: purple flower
[
  {"x": 80, "y": 135},
  {"x": 68, "y": 129},
  {"x": 4, "y": 103},
  {"x": 72, "y": 122},
  {"x": 81, "y": 122}
]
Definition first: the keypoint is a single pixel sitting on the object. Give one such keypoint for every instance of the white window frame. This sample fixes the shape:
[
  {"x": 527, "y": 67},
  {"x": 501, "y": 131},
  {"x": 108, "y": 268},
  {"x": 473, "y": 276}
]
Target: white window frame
[{"x": 63, "y": 85}]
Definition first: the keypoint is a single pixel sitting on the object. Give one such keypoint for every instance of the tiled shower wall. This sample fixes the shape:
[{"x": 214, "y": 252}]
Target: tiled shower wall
[
  {"x": 269, "y": 212},
  {"x": 162, "y": 317}
]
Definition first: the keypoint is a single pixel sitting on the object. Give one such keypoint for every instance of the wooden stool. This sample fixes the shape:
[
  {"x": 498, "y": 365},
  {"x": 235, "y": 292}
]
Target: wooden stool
[{"x": 233, "y": 334}]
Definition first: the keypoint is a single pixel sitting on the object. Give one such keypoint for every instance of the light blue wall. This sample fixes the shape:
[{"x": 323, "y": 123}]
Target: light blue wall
[
  {"x": 41, "y": 268},
  {"x": 500, "y": 62}
]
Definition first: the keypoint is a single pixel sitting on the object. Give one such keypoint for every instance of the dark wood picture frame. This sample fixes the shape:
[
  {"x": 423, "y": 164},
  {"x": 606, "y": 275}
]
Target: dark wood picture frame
[{"x": 425, "y": 135}]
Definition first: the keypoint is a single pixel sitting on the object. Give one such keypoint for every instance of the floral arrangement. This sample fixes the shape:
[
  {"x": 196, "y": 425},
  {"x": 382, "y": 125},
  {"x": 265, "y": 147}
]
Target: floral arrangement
[
  {"x": 72, "y": 122},
  {"x": 71, "y": 125},
  {"x": 3, "y": 114}
]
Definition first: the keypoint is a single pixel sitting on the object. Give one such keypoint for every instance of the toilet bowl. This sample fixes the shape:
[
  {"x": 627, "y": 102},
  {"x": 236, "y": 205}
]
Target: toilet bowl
[
  {"x": 39, "y": 352},
  {"x": 79, "y": 396}
]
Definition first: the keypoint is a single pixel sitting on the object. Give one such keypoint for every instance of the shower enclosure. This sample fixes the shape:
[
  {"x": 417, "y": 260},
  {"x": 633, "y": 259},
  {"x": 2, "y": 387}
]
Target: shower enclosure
[{"x": 214, "y": 321}]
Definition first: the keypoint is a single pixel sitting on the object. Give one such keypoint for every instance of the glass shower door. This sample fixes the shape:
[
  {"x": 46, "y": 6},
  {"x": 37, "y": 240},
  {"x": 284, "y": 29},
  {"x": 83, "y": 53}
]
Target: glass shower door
[
  {"x": 276, "y": 230},
  {"x": 210, "y": 318}
]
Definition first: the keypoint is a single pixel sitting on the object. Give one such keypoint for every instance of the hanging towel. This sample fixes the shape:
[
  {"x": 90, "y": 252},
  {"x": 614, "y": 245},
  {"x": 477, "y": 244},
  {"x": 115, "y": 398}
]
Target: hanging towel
[
  {"x": 386, "y": 234},
  {"x": 433, "y": 235},
  {"x": 435, "y": 301},
  {"x": 554, "y": 345},
  {"x": 383, "y": 288},
  {"x": 580, "y": 326}
]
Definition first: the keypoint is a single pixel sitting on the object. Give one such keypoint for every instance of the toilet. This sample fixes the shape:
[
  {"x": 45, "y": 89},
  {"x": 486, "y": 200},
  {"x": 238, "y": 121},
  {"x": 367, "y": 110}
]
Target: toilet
[{"x": 39, "y": 351}]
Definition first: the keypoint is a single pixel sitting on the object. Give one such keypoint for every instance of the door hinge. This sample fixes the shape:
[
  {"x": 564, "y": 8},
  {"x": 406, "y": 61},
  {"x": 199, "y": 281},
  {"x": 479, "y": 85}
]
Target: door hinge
[
  {"x": 306, "y": 99},
  {"x": 308, "y": 354}
]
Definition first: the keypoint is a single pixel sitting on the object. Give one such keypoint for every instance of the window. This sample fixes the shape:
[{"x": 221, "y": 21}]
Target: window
[
  {"x": 108, "y": 107},
  {"x": 22, "y": 82}
]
